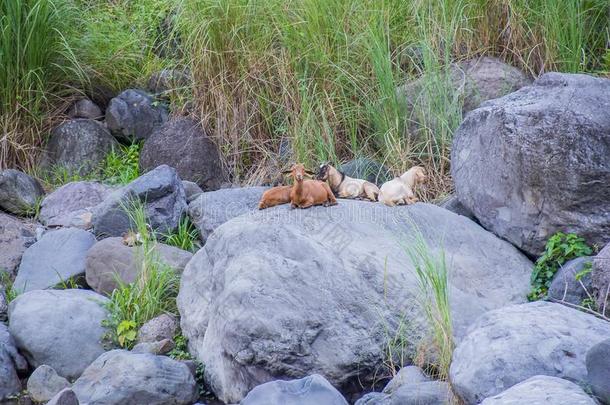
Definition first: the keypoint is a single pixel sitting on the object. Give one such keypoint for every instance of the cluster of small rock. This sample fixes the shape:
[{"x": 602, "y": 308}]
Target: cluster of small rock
[{"x": 294, "y": 306}]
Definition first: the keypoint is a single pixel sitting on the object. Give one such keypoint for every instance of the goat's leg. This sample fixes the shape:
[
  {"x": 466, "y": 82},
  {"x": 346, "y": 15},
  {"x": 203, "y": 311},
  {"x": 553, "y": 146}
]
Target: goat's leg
[
  {"x": 330, "y": 197},
  {"x": 371, "y": 192}
]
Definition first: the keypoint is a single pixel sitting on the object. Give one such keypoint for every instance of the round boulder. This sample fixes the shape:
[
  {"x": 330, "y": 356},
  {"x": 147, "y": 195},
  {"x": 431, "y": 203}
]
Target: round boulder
[
  {"x": 19, "y": 192},
  {"x": 367, "y": 169},
  {"x": 600, "y": 279},
  {"x": 15, "y": 237},
  {"x": 312, "y": 390},
  {"x": 60, "y": 328},
  {"x": 79, "y": 145},
  {"x": 183, "y": 144},
  {"x": 133, "y": 115},
  {"x": 565, "y": 285},
  {"x": 85, "y": 108},
  {"x": 598, "y": 370},
  {"x": 509, "y": 345},
  {"x": 11, "y": 364},
  {"x": 535, "y": 162},
  {"x": 44, "y": 383}
]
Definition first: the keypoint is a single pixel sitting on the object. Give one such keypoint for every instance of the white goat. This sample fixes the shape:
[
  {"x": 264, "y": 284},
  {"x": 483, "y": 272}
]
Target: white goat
[{"x": 401, "y": 190}]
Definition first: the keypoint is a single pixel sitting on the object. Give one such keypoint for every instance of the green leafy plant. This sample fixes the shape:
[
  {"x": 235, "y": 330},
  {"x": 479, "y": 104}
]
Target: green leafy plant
[
  {"x": 121, "y": 165},
  {"x": 180, "y": 351},
  {"x": 559, "y": 249},
  {"x": 126, "y": 333},
  {"x": 10, "y": 292},
  {"x": 185, "y": 237}
]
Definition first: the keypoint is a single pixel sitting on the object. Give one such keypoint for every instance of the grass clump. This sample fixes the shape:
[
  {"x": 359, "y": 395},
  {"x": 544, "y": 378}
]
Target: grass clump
[
  {"x": 121, "y": 165},
  {"x": 559, "y": 249},
  {"x": 10, "y": 292},
  {"x": 185, "y": 237}
]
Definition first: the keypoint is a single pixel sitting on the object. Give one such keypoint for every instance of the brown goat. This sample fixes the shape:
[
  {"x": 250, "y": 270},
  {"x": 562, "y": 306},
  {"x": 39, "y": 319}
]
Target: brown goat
[
  {"x": 275, "y": 196},
  {"x": 307, "y": 193}
]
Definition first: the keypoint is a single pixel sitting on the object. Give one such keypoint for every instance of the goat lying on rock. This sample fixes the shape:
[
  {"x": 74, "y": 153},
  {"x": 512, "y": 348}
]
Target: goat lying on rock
[
  {"x": 347, "y": 187},
  {"x": 307, "y": 193},
  {"x": 401, "y": 190},
  {"x": 275, "y": 196}
]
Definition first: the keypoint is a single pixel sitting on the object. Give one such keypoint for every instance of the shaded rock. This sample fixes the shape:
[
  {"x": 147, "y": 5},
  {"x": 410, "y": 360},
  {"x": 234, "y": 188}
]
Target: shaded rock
[
  {"x": 183, "y": 144},
  {"x": 191, "y": 190},
  {"x": 565, "y": 287},
  {"x": 542, "y": 390},
  {"x": 600, "y": 279},
  {"x": 167, "y": 80},
  {"x": 122, "y": 377},
  {"x": 64, "y": 397},
  {"x": 44, "y": 384},
  {"x": 406, "y": 375},
  {"x": 71, "y": 204},
  {"x": 311, "y": 390},
  {"x": 55, "y": 258},
  {"x": 500, "y": 177},
  {"x": 111, "y": 258},
  {"x": 11, "y": 363},
  {"x": 159, "y": 328},
  {"x": 19, "y": 192},
  {"x": 374, "y": 398},
  {"x": 159, "y": 347},
  {"x": 509, "y": 345},
  {"x": 368, "y": 169},
  {"x": 3, "y": 304},
  {"x": 598, "y": 370},
  {"x": 85, "y": 108},
  {"x": 423, "y": 393},
  {"x": 79, "y": 146},
  {"x": 60, "y": 328},
  {"x": 134, "y": 115},
  {"x": 164, "y": 200},
  {"x": 214, "y": 208},
  {"x": 453, "y": 204},
  {"x": 346, "y": 265},
  {"x": 15, "y": 237}
]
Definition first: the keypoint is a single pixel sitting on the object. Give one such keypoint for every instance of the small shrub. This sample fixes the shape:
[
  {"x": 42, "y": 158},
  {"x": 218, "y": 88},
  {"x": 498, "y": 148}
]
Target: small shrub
[
  {"x": 122, "y": 166},
  {"x": 186, "y": 236},
  {"x": 559, "y": 249},
  {"x": 180, "y": 351}
]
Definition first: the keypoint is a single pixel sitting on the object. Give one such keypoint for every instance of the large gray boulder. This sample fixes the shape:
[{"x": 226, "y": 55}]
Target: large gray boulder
[
  {"x": 85, "y": 108},
  {"x": 183, "y": 144},
  {"x": 55, "y": 258},
  {"x": 542, "y": 390},
  {"x": 79, "y": 145},
  {"x": 126, "y": 378},
  {"x": 15, "y": 237},
  {"x": 406, "y": 375},
  {"x": 311, "y": 390},
  {"x": 509, "y": 345},
  {"x": 133, "y": 115},
  {"x": 19, "y": 193},
  {"x": 60, "y": 328},
  {"x": 64, "y": 397},
  {"x": 325, "y": 287},
  {"x": 565, "y": 287},
  {"x": 213, "y": 208},
  {"x": 110, "y": 259},
  {"x": 45, "y": 383},
  {"x": 423, "y": 393},
  {"x": 11, "y": 364},
  {"x": 598, "y": 370},
  {"x": 71, "y": 204},
  {"x": 162, "y": 194},
  {"x": 368, "y": 169},
  {"x": 534, "y": 162},
  {"x": 600, "y": 279}
]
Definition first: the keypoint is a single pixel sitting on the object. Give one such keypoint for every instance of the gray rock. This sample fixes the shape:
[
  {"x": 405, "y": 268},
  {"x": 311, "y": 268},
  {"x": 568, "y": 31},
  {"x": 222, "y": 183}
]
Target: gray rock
[
  {"x": 79, "y": 146},
  {"x": 64, "y": 397},
  {"x": 600, "y": 279},
  {"x": 565, "y": 287},
  {"x": 311, "y": 390},
  {"x": 19, "y": 192},
  {"x": 85, "y": 108},
  {"x": 44, "y": 384},
  {"x": 183, "y": 144},
  {"x": 3, "y": 304},
  {"x": 374, "y": 398},
  {"x": 11, "y": 363},
  {"x": 134, "y": 115},
  {"x": 346, "y": 265},
  {"x": 406, "y": 375},
  {"x": 192, "y": 190},
  {"x": 168, "y": 80},
  {"x": 542, "y": 390},
  {"x": 161, "y": 192},
  {"x": 161, "y": 327},
  {"x": 60, "y": 328},
  {"x": 213, "y": 208},
  {"x": 159, "y": 347},
  {"x": 598, "y": 370},
  {"x": 507, "y": 346},
  {"x": 71, "y": 204},
  {"x": 126, "y": 378},
  {"x": 111, "y": 258},
  {"x": 15, "y": 237},
  {"x": 453, "y": 204},
  {"x": 57, "y": 257},
  {"x": 368, "y": 169},
  {"x": 423, "y": 393},
  {"x": 500, "y": 176}
]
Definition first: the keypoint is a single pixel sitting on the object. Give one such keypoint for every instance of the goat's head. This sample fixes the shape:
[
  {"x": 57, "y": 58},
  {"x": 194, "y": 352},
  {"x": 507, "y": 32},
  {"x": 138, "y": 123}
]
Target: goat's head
[
  {"x": 299, "y": 172},
  {"x": 419, "y": 174},
  {"x": 323, "y": 172}
]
